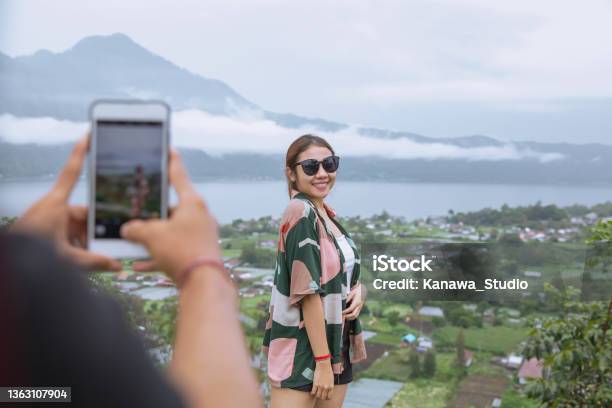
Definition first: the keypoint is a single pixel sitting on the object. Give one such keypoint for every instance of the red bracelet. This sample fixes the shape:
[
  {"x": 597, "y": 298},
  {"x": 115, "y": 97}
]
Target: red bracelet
[
  {"x": 200, "y": 261},
  {"x": 321, "y": 358}
]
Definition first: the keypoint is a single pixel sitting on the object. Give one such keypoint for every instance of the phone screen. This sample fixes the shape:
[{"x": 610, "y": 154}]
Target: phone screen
[{"x": 128, "y": 174}]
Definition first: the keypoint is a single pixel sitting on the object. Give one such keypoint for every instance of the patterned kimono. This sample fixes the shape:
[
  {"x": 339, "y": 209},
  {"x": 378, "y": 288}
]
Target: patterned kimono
[{"x": 308, "y": 261}]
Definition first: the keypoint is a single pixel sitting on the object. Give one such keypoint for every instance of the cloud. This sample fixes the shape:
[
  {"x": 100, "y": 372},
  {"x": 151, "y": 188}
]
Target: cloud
[
  {"x": 42, "y": 130},
  {"x": 249, "y": 133}
]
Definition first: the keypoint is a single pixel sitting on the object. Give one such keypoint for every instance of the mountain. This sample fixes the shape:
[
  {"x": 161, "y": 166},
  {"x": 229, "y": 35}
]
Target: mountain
[{"x": 62, "y": 85}]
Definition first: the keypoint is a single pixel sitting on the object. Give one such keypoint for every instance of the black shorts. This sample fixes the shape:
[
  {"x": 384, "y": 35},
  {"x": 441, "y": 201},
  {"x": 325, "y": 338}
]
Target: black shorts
[{"x": 347, "y": 375}]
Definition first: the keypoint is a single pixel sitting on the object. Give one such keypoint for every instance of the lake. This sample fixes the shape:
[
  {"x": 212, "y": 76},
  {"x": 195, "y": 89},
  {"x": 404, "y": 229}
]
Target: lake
[{"x": 251, "y": 199}]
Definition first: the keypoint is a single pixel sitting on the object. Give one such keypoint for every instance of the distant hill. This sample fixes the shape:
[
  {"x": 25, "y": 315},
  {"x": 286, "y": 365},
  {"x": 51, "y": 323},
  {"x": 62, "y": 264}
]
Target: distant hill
[
  {"x": 62, "y": 85},
  {"x": 36, "y": 161}
]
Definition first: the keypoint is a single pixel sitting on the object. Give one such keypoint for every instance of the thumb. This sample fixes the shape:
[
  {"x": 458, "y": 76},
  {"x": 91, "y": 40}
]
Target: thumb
[{"x": 135, "y": 230}]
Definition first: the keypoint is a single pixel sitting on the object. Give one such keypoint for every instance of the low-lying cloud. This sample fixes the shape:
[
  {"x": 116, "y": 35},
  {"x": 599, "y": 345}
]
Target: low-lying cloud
[{"x": 250, "y": 133}]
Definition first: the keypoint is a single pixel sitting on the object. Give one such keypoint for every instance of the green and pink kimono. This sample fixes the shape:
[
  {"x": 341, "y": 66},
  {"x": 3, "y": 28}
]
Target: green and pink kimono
[{"x": 308, "y": 261}]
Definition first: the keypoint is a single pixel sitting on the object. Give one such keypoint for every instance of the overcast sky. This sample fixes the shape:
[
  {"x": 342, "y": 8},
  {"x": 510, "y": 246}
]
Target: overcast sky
[{"x": 514, "y": 70}]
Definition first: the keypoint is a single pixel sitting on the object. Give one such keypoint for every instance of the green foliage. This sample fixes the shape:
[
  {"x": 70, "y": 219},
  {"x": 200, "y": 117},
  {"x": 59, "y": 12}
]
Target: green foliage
[
  {"x": 498, "y": 340},
  {"x": 6, "y": 222},
  {"x": 414, "y": 363},
  {"x": 576, "y": 354},
  {"x": 512, "y": 399},
  {"x": 429, "y": 364},
  {"x": 257, "y": 257},
  {"x": 161, "y": 318},
  {"x": 460, "y": 345},
  {"x": 460, "y": 317},
  {"x": 438, "y": 321},
  {"x": 393, "y": 317},
  {"x": 512, "y": 216},
  {"x": 601, "y": 232}
]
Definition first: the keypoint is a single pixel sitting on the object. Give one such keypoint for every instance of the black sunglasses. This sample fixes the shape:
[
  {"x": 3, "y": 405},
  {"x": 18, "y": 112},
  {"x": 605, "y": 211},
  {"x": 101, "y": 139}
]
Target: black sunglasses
[{"x": 311, "y": 166}]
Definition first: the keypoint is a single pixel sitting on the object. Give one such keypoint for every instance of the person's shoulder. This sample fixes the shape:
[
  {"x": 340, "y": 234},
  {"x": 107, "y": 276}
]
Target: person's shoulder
[{"x": 298, "y": 208}]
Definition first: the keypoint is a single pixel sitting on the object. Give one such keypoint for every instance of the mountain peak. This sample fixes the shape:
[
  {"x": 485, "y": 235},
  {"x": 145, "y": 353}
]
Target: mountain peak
[{"x": 117, "y": 43}]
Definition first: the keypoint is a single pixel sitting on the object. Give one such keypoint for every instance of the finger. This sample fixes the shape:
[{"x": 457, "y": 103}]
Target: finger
[
  {"x": 354, "y": 314},
  {"x": 350, "y": 296},
  {"x": 77, "y": 224},
  {"x": 329, "y": 394},
  {"x": 325, "y": 394},
  {"x": 350, "y": 309},
  {"x": 314, "y": 390},
  {"x": 78, "y": 212},
  {"x": 145, "y": 266},
  {"x": 137, "y": 230},
  {"x": 320, "y": 392},
  {"x": 91, "y": 260},
  {"x": 179, "y": 177},
  {"x": 72, "y": 170}
]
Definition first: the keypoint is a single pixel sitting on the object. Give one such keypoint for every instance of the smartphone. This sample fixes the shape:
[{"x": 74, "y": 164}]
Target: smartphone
[{"x": 128, "y": 171}]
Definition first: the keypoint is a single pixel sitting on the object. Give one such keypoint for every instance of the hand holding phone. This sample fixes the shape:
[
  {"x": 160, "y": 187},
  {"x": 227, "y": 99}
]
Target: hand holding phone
[
  {"x": 52, "y": 217},
  {"x": 190, "y": 232},
  {"x": 128, "y": 171}
]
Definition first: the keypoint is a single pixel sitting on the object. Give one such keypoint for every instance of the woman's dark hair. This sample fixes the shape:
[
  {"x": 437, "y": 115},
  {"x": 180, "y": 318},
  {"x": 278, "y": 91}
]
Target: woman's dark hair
[{"x": 298, "y": 146}]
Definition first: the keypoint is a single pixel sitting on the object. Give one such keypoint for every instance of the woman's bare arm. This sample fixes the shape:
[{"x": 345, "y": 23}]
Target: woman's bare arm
[
  {"x": 314, "y": 321},
  {"x": 312, "y": 307},
  {"x": 211, "y": 362}
]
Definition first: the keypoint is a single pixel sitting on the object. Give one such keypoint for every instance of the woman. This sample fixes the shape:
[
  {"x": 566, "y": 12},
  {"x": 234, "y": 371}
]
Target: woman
[{"x": 313, "y": 334}]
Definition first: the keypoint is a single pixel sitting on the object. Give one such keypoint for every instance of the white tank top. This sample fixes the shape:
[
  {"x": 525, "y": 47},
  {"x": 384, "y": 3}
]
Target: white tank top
[{"x": 349, "y": 258}]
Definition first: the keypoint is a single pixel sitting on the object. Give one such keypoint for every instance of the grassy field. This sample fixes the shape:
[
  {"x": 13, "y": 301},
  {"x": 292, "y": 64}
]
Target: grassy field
[
  {"x": 422, "y": 394},
  {"x": 494, "y": 339},
  {"x": 386, "y": 333},
  {"x": 392, "y": 367},
  {"x": 395, "y": 367},
  {"x": 232, "y": 253}
]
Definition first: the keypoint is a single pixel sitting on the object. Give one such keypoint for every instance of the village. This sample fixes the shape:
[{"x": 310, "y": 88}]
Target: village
[{"x": 425, "y": 354}]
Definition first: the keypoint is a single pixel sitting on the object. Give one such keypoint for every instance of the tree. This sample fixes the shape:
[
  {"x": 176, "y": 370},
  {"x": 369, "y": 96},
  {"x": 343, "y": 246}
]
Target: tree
[
  {"x": 575, "y": 351},
  {"x": 460, "y": 344},
  {"x": 415, "y": 364},
  {"x": 393, "y": 317},
  {"x": 257, "y": 257},
  {"x": 557, "y": 281},
  {"x": 429, "y": 364}
]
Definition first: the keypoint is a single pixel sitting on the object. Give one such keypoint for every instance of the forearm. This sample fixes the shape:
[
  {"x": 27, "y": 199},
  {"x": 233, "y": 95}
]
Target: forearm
[
  {"x": 211, "y": 361},
  {"x": 314, "y": 321}
]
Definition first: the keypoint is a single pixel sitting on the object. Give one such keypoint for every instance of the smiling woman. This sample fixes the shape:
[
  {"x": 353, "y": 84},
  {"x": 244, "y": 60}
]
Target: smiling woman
[{"x": 313, "y": 335}]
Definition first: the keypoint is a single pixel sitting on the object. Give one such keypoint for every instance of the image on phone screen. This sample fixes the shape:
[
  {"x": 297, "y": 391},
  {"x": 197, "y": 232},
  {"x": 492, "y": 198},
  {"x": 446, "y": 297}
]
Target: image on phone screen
[{"x": 128, "y": 168}]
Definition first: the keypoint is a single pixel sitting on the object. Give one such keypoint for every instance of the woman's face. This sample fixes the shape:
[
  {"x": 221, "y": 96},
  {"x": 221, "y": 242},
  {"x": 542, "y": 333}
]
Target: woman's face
[{"x": 320, "y": 184}]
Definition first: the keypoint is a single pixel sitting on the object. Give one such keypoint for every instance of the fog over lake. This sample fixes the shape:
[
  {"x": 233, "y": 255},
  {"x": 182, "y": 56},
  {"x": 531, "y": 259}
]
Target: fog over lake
[{"x": 231, "y": 200}]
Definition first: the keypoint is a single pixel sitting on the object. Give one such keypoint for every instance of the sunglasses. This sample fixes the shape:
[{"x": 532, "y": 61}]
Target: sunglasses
[{"x": 311, "y": 166}]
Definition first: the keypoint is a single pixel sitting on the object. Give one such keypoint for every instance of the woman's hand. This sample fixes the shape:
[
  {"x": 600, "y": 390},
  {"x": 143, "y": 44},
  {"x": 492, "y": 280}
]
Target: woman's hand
[
  {"x": 323, "y": 381},
  {"x": 355, "y": 298},
  {"x": 66, "y": 225},
  {"x": 189, "y": 233}
]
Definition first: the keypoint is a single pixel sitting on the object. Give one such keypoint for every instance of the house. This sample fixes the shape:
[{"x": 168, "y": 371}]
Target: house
[
  {"x": 408, "y": 340},
  {"x": 488, "y": 316},
  {"x": 268, "y": 244},
  {"x": 431, "y": 311},
  {"x": 424, "y": 344},
  {"x": 531, "y": 368},
  {"x": 533, "y": 274},
  {"x": 513, "y": 361},
  {"x": 470, "y": 307}
]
